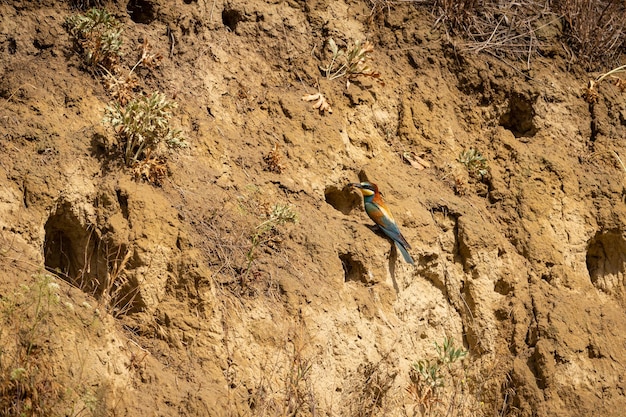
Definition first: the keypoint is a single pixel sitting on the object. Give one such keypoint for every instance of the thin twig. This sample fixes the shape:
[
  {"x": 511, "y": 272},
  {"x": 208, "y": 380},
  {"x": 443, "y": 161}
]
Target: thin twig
[
  {"x": 619, "y": 160},
  {"x": 172, "y": 41}
]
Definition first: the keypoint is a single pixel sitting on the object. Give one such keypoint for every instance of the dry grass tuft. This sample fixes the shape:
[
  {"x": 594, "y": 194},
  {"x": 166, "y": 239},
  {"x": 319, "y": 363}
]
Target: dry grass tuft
[
  {"x": 235, "y": 238},
  {"x": 86, "y": 4},
  {"x": 27, "y": 380},
  {"x": 591, "y": 93},
  {"x": 273, "y": 160},
  {"x": 459, "y": 16},
  {"x": 285, "y": 387},
  {"x": 595, "y": 29},
  {"x": 369, "y": 389},
  {"x": 118, "y": 294},
  {"x": 506, "y": 30},
  {"x": 152, "y": 169},
  {"x": 121, "y": 88}
]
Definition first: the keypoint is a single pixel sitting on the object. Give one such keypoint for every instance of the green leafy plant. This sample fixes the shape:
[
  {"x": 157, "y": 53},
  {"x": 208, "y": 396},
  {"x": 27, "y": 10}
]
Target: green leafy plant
[
  {"x": 432, "y": 379},
  {"x": 142, "y": 125},
  {"x": 475, "y": 163},
  {"x": 429, "y": 372},
  {"x": 97, "y": 35},
  {"x": 350, "y": 63},
  {"x": 448, "y": 354}
]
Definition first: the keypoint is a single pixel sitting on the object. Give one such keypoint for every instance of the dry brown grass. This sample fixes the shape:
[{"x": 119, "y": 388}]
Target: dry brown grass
[
  {"x": 86, "y": 4},
  {"x": 595, "y": 29},
  {"x": 283, "y": 385},
  {"x": 235, "y": 237},
  {"x": 273, "y": 160},
  {"x": 118, "y": 294},
  {"x": 28, "y": 385},
  {"x": 506, "y": 30},
  {"x": 152, "y": 169},
  {"x": 458, "y": 15},
  {"x": 368, "y": 391},
  {"x": 449, "y": 384}
]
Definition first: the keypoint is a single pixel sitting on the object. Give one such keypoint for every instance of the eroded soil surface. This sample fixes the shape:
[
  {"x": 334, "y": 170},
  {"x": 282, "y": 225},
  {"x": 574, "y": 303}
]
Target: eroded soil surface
[{"x": 179, "y": 299}]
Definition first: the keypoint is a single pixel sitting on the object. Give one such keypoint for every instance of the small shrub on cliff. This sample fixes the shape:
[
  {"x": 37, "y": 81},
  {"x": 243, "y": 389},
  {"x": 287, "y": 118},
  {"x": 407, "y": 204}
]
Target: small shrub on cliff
[
  {"x": 440, "y": 384},
  {"x": 350, "y": 62},
  {"x": 143, "y": 125},
  {"x": 97, "y": 36},
  {"x": 475, "y": 163}
]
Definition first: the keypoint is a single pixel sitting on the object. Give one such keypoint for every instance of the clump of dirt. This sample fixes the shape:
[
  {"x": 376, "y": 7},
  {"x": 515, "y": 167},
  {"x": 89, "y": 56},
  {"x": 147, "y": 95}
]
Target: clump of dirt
[{"x": 248, "y": 280}]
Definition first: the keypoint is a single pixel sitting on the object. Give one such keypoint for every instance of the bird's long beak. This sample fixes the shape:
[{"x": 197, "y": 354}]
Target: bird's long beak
[{"x": 366, "y": 192}]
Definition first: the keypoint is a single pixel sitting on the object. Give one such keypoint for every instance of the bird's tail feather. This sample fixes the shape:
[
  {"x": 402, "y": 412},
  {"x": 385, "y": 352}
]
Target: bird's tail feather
[{"x": 405, "y": 254}]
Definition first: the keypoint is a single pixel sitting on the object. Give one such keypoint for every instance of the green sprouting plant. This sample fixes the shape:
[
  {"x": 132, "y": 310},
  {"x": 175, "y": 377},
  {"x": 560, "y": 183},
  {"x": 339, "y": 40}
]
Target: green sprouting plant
[
  {"x": 142, "y": 125},
  {"x": 430, "y": 373},
  {"x": 448, "y": 354},
  {"x": 475, "y": 163},
  {"x": 280, "y": 215},
  {"x": 98, "y": 37},
  {"x": 429, "y": 377},
  {"x": 350, "y": 63}
]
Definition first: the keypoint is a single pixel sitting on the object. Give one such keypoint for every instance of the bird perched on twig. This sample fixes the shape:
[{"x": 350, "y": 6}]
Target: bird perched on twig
[{"x": 377, "y": 210}]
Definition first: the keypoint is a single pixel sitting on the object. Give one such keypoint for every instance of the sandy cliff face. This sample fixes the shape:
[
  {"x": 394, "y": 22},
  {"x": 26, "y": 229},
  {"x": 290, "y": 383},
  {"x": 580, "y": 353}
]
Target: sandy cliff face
[{"x": 180, "y": 300}]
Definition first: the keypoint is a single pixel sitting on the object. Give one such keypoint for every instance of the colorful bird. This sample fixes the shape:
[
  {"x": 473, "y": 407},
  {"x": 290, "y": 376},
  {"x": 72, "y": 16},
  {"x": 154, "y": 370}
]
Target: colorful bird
[{"x": 376, "y": 208}]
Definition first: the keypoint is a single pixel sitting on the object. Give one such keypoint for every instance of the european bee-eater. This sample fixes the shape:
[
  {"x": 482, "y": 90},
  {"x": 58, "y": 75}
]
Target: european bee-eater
[{"x": 377, "y": 210}]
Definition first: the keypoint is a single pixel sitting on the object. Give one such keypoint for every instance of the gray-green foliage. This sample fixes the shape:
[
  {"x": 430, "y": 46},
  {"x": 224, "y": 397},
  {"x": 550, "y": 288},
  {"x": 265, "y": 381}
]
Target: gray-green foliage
[
  {"x": 430, "y": 370},
  {"x": 475, "y": 163},
  {"x": 98, "y": 36},
  {"x": 143, "y": 124},
  {"x": 351, "y": 62}
]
